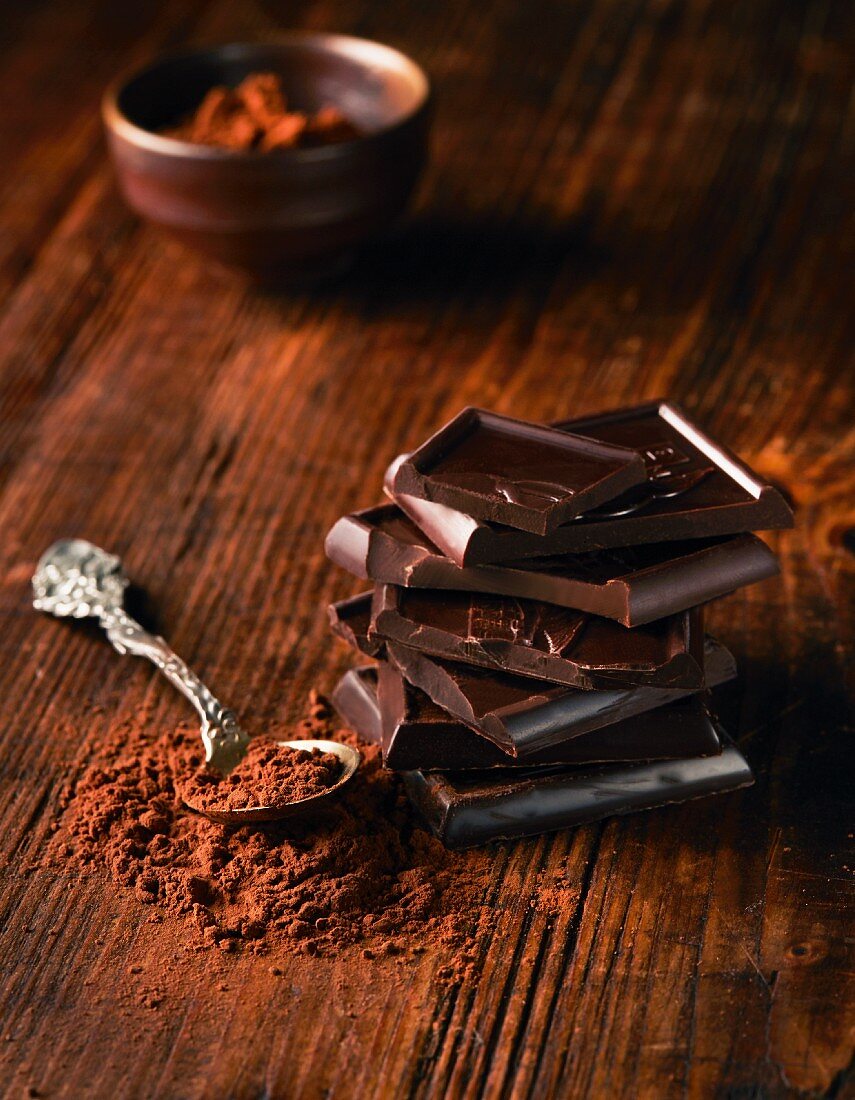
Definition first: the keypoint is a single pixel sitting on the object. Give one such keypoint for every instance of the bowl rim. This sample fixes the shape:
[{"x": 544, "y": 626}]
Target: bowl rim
[{"x": 117, "y": 122}]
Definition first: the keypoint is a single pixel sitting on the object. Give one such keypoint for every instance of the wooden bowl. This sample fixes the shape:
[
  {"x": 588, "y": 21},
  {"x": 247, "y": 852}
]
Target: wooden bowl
[{"x": 297, "y": 212}]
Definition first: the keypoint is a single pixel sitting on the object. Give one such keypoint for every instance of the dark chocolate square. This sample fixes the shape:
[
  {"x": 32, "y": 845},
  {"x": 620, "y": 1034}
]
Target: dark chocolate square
[
  {"x": 694, "y": 489},
  {"x": 508, "y": 471},
  {"x": 465, "y": 809},
  {"x": 633, "y": 585}
]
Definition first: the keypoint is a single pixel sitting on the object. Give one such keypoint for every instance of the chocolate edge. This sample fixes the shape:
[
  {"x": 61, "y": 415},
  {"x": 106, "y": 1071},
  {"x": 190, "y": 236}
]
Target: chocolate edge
[
  {"x": 347, "y": 544},
  {"x": 445, "y": 814}
]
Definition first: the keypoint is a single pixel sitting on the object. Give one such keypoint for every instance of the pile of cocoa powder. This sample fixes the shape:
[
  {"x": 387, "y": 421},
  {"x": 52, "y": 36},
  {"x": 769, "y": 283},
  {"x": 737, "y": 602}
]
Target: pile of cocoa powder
[
  {"x": 359, "y": 871},
  {"x": 255, "y": 115},
  {"x": 270, "y": 775}
]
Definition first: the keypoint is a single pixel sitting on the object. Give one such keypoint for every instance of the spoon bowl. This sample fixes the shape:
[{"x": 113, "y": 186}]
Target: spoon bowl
[{"x": 248, "y": 815}]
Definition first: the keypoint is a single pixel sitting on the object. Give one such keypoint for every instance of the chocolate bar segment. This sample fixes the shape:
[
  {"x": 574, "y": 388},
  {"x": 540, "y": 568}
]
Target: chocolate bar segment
[
  {"x": 523, "y": 716},
  {"x": 508, "y": 471},
  {"x": 464, "y": 809},
  {"x": 416, "y": 733},
  {"x": 694, "y": 489},
  {"x": 355, "y": 699},
  {"x": 350, "y": 620},
  {"x": 633, "y": 585},
  {"x": 537, "y": 639}
]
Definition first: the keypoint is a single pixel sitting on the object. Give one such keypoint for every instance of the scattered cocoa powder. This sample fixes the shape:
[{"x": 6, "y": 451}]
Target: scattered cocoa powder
[
  {"x": 359, "y": 871},
  {"x": 255, "y": 115},
  {"x": 269, "y": 775}
]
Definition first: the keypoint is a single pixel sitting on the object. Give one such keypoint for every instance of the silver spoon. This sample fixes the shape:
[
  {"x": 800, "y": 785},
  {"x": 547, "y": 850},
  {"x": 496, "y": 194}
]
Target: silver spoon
[{"x": 77, "y": 580}]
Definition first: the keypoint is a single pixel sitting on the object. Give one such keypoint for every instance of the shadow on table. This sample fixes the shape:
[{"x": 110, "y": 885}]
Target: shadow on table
[
  {"x": 794, "y": 726},
  {"x": 437, "y": 258}
]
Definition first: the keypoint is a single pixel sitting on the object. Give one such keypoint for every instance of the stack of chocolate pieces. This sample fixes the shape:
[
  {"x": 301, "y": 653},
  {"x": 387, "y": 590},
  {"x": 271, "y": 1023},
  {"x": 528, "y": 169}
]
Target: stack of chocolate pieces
[{"x": 536, "y": 618}]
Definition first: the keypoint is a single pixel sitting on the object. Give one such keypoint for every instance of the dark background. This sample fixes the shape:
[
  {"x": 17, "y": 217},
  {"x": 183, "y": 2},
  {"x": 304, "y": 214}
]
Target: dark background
[{"x": 627, "y": 199}]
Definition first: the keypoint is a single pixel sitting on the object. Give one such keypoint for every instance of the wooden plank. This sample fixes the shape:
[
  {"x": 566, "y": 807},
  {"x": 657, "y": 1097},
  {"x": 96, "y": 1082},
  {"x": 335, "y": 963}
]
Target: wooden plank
[{"x": 624, "y": 200}]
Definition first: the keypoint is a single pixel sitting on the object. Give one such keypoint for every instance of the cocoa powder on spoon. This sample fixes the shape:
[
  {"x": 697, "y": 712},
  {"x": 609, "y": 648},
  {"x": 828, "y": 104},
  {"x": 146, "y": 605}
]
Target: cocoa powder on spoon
[{"x": 270, "y": 774}]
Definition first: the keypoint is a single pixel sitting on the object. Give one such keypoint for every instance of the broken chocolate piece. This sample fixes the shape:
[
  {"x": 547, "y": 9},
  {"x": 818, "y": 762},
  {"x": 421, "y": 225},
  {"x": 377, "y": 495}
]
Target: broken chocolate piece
[
  {"x": 415, "y": 733},
  {"x": 536, "y": 639},
  {"x": 524, "y": 716},
  {"x": 695, "y": 489},
  {"x": 419, "y": 734},
  {"x": 520, "y": 714},
  {"x": 263, "y": 99},
  {"x": 464, "y": 808},
  {"x": 633, "y": 585},
  {"x": 286, "y": 132},
  {"x": 329, "y": 125},
  {"x": 509, "y": 471}
]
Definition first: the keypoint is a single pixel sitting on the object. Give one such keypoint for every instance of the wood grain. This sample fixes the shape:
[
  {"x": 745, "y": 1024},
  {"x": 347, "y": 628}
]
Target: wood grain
[{"x": 627, "y": 199}]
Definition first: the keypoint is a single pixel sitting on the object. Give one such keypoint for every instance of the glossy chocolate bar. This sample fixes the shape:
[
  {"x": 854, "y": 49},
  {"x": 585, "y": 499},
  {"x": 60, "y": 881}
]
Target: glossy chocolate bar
[
  {"x": 695, "y": 489},
  {"x": 508, "y": 471},
  {"x": 524, "y": 716},
  {"x": 633, "y": 585},
  {"x": 535, "y": 639},
  {"x": 415, "y": 733},
  {"x": 355, "y": 699},
  {"x": 464, "y": 809}
]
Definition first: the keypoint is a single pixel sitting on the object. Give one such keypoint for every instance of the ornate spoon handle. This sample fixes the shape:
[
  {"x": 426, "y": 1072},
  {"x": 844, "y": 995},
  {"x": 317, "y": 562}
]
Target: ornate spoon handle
[
  {"x": 219, "y": 724},
  {"x": 78, "y": 580}
]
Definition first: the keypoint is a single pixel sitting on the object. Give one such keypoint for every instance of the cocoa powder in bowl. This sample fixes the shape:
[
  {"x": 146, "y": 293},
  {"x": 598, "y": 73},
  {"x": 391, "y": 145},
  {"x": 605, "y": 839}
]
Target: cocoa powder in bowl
[
  {"x": 256, "y": 115},
  {"x": 270, "y": 775},
  {"x": 359, "y": 871}
]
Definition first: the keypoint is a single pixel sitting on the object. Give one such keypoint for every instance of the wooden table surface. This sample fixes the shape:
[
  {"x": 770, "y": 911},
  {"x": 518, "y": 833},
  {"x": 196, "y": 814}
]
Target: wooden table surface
[{"x": 627, "y": 199}]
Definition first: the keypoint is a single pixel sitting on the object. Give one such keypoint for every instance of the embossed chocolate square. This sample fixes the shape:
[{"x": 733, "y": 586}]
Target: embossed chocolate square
[
  {"x": 540, "y": 640},
  {"x": 694, "y": 488},
  {"x": 522, "y": 715},
  {"x": 524, "y": 475}
]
